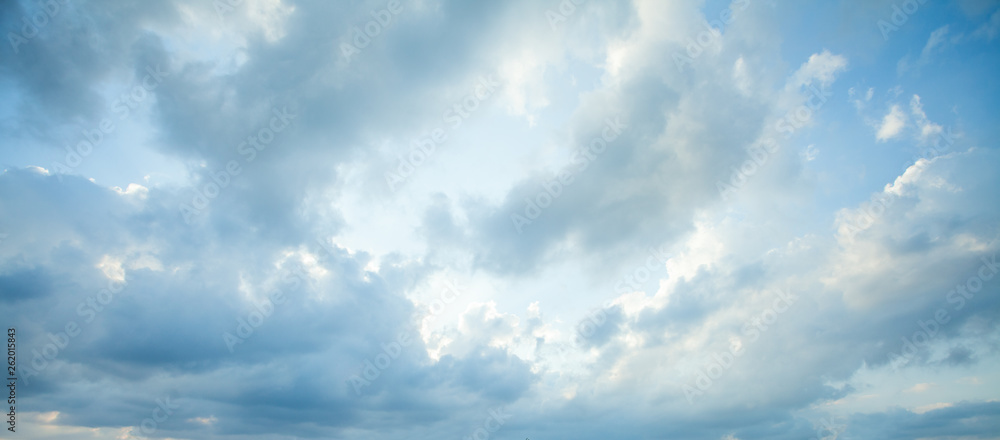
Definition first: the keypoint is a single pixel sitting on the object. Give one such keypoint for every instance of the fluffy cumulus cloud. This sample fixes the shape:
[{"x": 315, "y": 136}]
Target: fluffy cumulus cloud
[{"x": 559, "y": 219}]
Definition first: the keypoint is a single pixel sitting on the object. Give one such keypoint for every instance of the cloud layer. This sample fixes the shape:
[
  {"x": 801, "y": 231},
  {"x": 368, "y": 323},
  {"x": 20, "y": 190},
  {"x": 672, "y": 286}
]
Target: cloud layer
[{"x": 427, "y": 219}]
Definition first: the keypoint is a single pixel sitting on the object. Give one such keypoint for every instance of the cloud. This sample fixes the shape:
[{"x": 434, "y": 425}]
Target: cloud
[
  {"x": 308, "y": 299},
  {"x": 936, "y": 43},
  {"x": 151, "y": 328},
  {"x": 892, "y": 124},
  {"x": 928, "y": 129},
  {"x": 920, "y": 387},
  {"x": 859, "y": 102},
  {"x": 821, "y": 68},
  {"x": 988, "y": 31}
]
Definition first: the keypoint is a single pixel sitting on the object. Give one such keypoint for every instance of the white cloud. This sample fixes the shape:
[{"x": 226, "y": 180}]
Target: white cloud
[
  {"x": 860, "y": 102},
  {"x": 927, "y": 129},
  {"x": 741, "y": 78},
  {"x": 892, "y": 124},
  {"x": 919, "y": 388},
  {"x": 821, "y": 67}
]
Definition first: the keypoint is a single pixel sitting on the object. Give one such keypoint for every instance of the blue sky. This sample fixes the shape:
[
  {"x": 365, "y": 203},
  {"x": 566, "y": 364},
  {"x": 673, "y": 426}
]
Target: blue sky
[{"x": 429, "y": 219}]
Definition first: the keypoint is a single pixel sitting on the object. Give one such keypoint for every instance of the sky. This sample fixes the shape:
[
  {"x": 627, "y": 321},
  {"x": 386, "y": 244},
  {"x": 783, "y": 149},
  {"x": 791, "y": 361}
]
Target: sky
[{"x": 554, "y": 219}]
